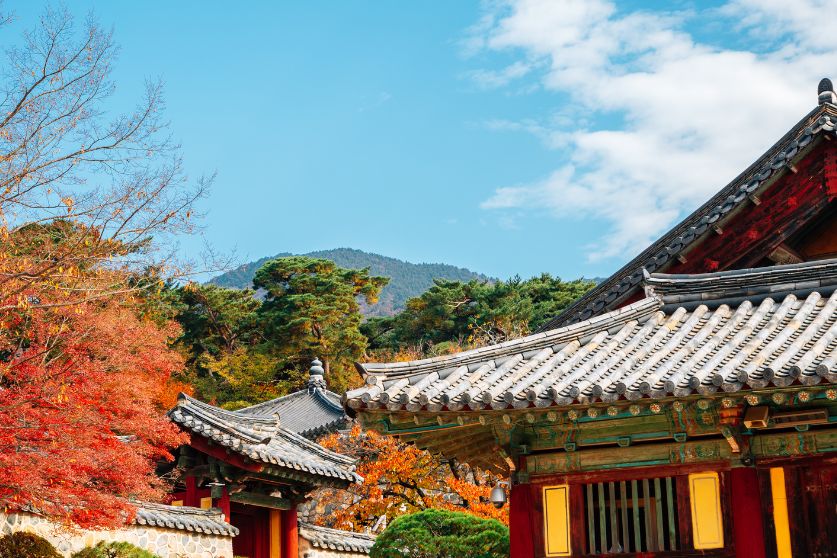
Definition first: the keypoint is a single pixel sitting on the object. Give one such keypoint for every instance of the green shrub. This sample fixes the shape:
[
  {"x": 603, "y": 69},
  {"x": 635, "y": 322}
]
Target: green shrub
[
  {"x": 442, "y": 534},
  {"x": 113, "y": 550},
  {"x": 17, "y": 545}
]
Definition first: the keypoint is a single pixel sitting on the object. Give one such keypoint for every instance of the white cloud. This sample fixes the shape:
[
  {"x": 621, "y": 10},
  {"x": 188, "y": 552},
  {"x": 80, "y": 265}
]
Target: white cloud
[
  {"x": 674, "y": 118},
  {"x": 490, "y": 79},
  {"x": 811, "y": 22}
]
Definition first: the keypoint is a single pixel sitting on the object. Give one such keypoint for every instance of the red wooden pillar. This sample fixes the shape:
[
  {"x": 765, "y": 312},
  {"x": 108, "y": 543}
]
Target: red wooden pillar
[
  {"x": 224, "y": 504},
  {"x": 520, "y": 522},
  {"x": 748, "y": 530},
  {"x": 290, "y": 542},
  {"x": 191, "y": 498}
]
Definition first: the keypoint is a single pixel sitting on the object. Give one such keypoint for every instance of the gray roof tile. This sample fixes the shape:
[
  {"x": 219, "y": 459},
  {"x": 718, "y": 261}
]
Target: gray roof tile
[
  {"x": 335, "y": 539},
  {"x": 312, "y": 412},
  {"x": 195, "y": 520}
]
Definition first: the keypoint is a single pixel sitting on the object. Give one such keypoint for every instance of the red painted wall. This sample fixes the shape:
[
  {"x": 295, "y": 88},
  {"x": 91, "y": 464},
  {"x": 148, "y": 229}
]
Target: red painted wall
[
  {"x": 748, "y": 530},
  {"x": 521, "y": 508}
]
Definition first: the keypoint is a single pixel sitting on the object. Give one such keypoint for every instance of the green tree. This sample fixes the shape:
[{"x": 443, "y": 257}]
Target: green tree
[
  {"x": 550, "y": 296},
  {"x": 311, "y": 310},
  {"x": 250, "y": 375},
  {"x": 434, "y": 533},
  {"x": 114, "y": 550},
  {"x": 19, "y": 544},
  {"x": 222, "y": 341},
  {"x": 474, "y": 313},
  {"x": 216, "y": 321}
]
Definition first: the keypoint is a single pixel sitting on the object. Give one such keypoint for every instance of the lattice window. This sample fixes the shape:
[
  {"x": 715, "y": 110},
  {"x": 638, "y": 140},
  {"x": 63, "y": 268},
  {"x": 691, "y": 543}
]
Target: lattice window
[{"x": 631, "y": 516}]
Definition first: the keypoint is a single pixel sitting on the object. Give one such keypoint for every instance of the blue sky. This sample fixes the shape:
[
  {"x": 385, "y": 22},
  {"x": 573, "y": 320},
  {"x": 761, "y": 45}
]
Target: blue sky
[{"x": 507, "y": 137}]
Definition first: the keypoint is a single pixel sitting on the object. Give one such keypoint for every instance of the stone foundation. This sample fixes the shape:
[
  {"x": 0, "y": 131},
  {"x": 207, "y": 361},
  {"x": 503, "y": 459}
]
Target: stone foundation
[{"x": 165, "y": 543}]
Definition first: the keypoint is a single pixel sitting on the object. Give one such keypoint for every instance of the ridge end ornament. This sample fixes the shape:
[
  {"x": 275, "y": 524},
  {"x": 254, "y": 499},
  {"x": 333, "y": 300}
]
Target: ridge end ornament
[{"x": 825, "y": 92}]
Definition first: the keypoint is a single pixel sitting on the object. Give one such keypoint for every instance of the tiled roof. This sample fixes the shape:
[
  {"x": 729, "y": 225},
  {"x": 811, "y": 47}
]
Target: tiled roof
[
  {"x": 335, "y": 539},
  {"x": 262, "y": 439},
  {"x": 723, "y": 340},
  {"x": 310, "y": 413},
  {"x": 209, "y": 522},
  {"x": 623, "y": 284}
]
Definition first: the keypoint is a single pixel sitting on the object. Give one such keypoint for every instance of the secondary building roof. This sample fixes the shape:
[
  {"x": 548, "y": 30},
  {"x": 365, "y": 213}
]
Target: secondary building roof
[
  {"x": 312, "y": 412},
  {"x": 747, "y": 186},
  {"x": 262, "y": 439}
]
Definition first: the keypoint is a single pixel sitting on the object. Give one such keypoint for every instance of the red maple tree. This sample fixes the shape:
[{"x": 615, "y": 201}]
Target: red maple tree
[
  {"x": 88, "y": 199},
  {"x": 83, "y": 389}
]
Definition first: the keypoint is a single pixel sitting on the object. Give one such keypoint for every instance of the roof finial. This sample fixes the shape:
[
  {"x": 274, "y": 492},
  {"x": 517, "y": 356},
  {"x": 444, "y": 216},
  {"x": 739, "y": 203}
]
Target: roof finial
[
  {"x": 825, "y": 92},
  {"x": 316, "y": 372}
]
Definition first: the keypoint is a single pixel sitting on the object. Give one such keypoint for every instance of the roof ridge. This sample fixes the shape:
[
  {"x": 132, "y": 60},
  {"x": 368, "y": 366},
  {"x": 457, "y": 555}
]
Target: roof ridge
[
  {"x": 322, "y": 528},
  {"x": 221, "y": 411},
  {"x": 233, "y": 423},
  {"x": 323, "y": 396},
  {"x": 180, "y": 509},
  {"x": 751, "y": 282},
  {"x": 827, "y": 263}
]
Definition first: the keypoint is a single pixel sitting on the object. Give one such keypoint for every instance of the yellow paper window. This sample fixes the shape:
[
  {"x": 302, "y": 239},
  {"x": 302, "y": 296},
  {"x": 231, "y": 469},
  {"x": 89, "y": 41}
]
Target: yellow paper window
[
  {"x": 707, "y": 521},
  {"x": 556, "y": 516},
  {"x": 206, "y": 503}
]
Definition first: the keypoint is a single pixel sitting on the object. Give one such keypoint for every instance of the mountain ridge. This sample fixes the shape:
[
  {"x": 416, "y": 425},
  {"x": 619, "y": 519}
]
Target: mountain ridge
[{"x": 407, "y": 279}]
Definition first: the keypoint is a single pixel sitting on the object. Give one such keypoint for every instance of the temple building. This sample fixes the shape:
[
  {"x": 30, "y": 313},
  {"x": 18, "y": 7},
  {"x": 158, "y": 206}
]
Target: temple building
[
  {"x": 258, "y": 464},
  {"x": 686, "y": 405}
]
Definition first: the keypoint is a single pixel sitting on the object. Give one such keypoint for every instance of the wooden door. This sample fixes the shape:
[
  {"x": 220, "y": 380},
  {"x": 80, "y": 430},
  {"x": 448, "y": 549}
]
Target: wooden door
[
  {"x": 253, "y": 539},
  {"x": 819, "y": 503}
]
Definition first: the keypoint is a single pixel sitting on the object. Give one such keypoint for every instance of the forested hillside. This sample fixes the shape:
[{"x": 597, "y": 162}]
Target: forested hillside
[{"x": 406, "y": 280}]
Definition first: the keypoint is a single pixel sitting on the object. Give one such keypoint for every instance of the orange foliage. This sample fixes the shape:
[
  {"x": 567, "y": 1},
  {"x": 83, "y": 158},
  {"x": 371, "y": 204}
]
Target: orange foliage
[{"x": 400, "y": 479}]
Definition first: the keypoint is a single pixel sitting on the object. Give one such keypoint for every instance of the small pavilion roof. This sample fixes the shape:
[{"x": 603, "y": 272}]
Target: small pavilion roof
[
  {"x": 262, "y": 439},
  {"x": 326, "y": 538},
  {"x": 621, "y": 286},
  {"x": 695, "y": 334},
  {"x": 310, "y": 412}
]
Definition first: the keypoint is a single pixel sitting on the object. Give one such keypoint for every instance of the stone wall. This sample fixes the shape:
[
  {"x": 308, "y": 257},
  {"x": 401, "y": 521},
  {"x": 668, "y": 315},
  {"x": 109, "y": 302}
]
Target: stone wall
[{"x": 164, "y": 542}]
